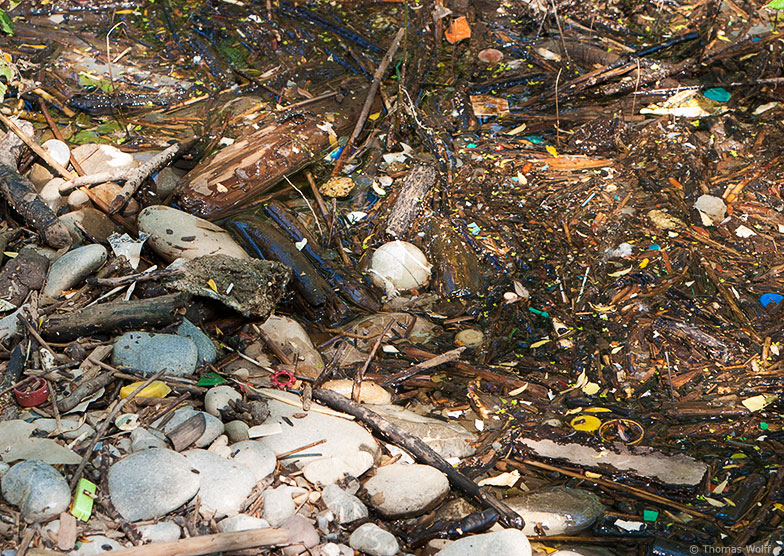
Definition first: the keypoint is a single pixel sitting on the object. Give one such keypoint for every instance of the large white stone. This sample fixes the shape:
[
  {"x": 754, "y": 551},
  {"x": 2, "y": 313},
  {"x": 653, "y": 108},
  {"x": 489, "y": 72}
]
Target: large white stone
[
  {"x": 509, "y": 542},
  {"x": 349, "y": 448},
  {"x": 175, "y": 234},
  {"x": 399, "y": 266},
  {"x": 404, "y": 490},
  {"x": 225, "y": 484},
  {"x": 151, "y": 483}
]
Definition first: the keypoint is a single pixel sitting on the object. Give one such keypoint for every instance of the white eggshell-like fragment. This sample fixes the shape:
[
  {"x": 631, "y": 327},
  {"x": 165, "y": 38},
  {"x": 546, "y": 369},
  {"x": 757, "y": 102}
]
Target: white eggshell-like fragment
[{"x": 399, "y": 266}]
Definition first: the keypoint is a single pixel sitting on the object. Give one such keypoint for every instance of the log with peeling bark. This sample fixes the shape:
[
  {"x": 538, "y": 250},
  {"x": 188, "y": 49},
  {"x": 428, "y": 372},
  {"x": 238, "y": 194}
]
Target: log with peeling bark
[
  {"x": 222, "y": 184},
  {"x": 21, "y": 195}
]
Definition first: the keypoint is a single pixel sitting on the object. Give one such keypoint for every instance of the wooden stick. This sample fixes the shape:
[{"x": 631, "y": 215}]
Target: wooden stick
[
  {"x": 446, "y": 357},
  {"x": 210, "y": 544},
  {"x": 421, "y": 452},
  {"x": 379, "y": 75}
]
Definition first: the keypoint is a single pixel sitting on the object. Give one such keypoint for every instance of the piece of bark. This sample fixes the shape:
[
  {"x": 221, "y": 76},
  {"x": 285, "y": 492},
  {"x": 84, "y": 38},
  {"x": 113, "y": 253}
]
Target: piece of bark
[
  {"x": 21, "y": 195},
  {"x": 225, "y": 181},
  {"x": 421, "y": 452},
  {"x": 114, "y": 317},
  {"x": 409, "y": 201},
  {"x": 66, "y": 534},
  {"x": 20, "y": 275},
  {"x": 210, "y": 544},
  {"x": 187, "y": 432}
]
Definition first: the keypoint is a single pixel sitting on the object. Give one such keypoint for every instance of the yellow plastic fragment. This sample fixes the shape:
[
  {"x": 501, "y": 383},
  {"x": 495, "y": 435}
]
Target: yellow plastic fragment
[
  {"x": 213, "y": 286},
  {"x": 587, "y": 423},
  {"x": 156, "y": 389}
]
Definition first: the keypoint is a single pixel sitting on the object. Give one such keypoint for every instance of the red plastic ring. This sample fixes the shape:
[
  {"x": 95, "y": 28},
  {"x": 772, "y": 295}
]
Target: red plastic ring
[{"x": 33, "y": 393}]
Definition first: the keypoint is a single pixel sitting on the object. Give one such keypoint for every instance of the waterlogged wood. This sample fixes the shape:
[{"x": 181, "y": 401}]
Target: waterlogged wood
[
  {"x": 114, "y": 317},
  {"x": 222, "y": 184},
  {"x": 410, "y": 201}
]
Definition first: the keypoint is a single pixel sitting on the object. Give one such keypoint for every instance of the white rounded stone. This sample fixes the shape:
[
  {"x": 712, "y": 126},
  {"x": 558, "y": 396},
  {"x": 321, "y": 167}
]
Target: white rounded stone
[{"x": 399, "y": 266}]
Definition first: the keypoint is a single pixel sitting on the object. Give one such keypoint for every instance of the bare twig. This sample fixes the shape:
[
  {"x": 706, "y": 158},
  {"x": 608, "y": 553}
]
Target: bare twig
[{"x": 379, "y": 75}]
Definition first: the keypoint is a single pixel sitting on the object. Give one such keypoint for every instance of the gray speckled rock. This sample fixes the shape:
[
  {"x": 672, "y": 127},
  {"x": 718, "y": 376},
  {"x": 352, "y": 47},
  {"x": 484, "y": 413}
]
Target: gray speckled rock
[
  {"x": 205, "y": 347},
  {"x": 345, "y": 506},
  {"x": 151, "y": 483},
  {"x": 241, "y": 522},
  {"x": 237, "y": 431},
  {"x": 160, "y": 532},
  {"x": 37, "y": 489},
  {"x": 558, "y": 510},
  {"x": 255, "y": 456},
  {"x": 450, "y": 440},
  {"x": 96, "y": 544},
  {"x": 143, "y": 439},
  {"x": 218, "y": 398},
  {"x": 149, "y": 353},
  {"x": 302, "y": 535},
  {"x": 73, "y": 267},
  {"x": 404, "y": 490},
  {"x": 509, "y": 542},
  {"x": 175, "y": 234},
  {"x": 224, "y": 484},
  {"x": 4, "y": 467},
  {"x": 373, "y": 540},
  {"x": 349, "y": 448},
  {"x": 212, "y": 430}
]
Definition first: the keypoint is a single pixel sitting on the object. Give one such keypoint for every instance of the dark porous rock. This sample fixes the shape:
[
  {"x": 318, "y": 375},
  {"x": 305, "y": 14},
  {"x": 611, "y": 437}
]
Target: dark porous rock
[{"x": 250, "y": 287}]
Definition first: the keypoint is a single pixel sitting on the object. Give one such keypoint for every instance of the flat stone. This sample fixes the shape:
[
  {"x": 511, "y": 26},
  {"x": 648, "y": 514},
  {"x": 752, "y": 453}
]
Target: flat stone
[
  {"x": 255, "y": 456},
  {"x": 163, "y": 531},
  {"x": 4, "y": 467},
  {"x": 96, "y": 544},
  {"x": 349, "y": 448},
  {"x": 369, "y": 392},
  {"x": 373, "y": 540},
  {"x": 346, "y": 507},
  {"x": 37, "y": 489},
  {"x": 302, "y": 535},
  {"x": 557, "y": 510},
  {"x": 50, "y": 193},
  {"x": 71, "y": 428},
  {"x": 450, "y": 440},
  {"x": 212, "y": 430},
  {"x": 225, "y": 484},
  {"x": 207, "y": 351},
  {"x": 237, "y": 431},
  {"x": 405, "y": 490},
  {"x": 107, "y": 192},
  {"x": 509, "y": 542},
  {"x": 241, "y": 522},
  {"x": 217, "y": 398},
  {"x": 149, "y": 353},
  {"x": 151, "y": 483},
  {"x": 176, "y": 234},
  {"x": 73, "y": 267},
  {"x": 642, "y": 461},
  {"x": 98, "y": 157}
]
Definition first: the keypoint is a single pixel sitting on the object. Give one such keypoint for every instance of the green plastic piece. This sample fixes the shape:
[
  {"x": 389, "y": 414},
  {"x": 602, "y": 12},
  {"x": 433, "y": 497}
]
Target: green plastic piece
[
  {"x": 544, "y": 314},
  {"x": 211, "y": 379},
  {"x": 719, "y": 94},
  {"x": 650, "y": 515},
  {"x": 764, "y": 426},
  {"x": 82, "y": 507}
]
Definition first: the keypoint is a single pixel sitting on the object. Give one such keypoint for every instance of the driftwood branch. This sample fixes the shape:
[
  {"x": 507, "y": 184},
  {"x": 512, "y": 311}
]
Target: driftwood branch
[
  {"x": 20, "y": 192},
  {"x": 114, "y": 317},
  {"x": 421, "y": 452},
  {"x": 409, "y": 201}
]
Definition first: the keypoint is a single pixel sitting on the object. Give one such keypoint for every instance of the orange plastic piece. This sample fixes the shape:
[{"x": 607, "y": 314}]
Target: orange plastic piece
[{"x": 459, "y": 30}]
